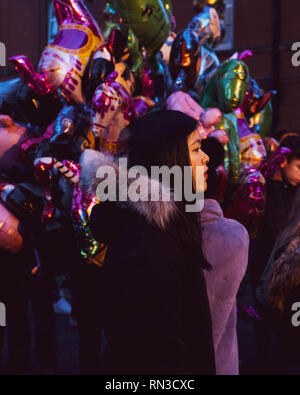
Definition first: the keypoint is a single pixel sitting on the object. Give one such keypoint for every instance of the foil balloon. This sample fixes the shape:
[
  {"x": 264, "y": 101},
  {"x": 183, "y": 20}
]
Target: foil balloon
[
  {"x": 218, "y": 5},
  {"x": 63, "y": 62},
  {"x": 255, "y": 99},
  {"x": 227, "y": 87},
  {"x": 258, "y": 108},
  {"x": 207, "y": 26},
  {"x": 24, "y": 200},
  {"x": 167, "y": 47},
  {"x": 192, "y": 62},
  {"x": 249, "y": 201},
  {"x": 271, "y": 145},
  {"x": 226, "y": 90},
  {"x": 185, "y": 60},
  {"x": 39, "y": 110},
  {"x": 91, "y": 251},
  {"x": 232, "y": 163},
  {"x": 261, "y": 122},
  {"x": 149, "y": 20},
  {"x": 113, "y": 109},
  {"x": 181, "y": 101},
  {"x": 71, "y": 135},
  {"x": 111, "y": 19},
  {"x": 252, "y": 148},
  {"x": 10, "y": 238},
  {"x": 156, "y": 80}
]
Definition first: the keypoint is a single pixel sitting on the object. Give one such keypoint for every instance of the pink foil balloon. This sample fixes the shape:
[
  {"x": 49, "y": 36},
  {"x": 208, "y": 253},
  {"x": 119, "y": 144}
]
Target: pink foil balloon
[
  {"x": 113, "y": 108},
  {"x": 63, "y": 62},
  {"x": 181, "y": 101}
]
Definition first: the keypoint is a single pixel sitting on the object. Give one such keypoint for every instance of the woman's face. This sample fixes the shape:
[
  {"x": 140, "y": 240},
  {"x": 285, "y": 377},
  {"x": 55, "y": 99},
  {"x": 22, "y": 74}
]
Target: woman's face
[{"x": 199, "y": 160}]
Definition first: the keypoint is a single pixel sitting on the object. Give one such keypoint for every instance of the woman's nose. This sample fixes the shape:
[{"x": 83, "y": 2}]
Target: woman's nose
[{"x": 205, "y": 159}]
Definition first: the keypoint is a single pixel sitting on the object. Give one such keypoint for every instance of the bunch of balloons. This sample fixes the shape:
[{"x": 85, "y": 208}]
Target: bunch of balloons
[{"x": 91, "y": 83}]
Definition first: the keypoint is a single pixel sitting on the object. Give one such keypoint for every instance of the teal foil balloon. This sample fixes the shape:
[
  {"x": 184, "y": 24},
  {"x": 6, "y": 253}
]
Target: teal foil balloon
[{"x": 149, "y": 20}]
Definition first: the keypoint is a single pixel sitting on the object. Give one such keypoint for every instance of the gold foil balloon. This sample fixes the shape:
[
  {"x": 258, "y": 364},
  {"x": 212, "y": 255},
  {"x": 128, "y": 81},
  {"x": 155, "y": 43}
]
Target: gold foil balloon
[{"x": 252, "y": 149}]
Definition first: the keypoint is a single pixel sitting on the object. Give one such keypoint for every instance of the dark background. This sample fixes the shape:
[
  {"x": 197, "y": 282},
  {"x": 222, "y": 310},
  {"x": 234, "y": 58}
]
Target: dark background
[{"x": 268, "y": 27}]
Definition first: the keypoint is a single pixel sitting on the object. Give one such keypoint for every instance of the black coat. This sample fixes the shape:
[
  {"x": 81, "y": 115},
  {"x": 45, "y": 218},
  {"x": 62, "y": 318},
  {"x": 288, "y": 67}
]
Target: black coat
[
  {"x": 156, "y": 315},
  {"x": 280, "y": 197}
]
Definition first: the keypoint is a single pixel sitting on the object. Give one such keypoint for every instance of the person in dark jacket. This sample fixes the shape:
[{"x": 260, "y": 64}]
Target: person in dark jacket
[
  {"x": 281, "y": 188},
  {"x": 281, "y": 287},
  {"x": 156, "y": 314},
  {"x": 282, "y": 182}
]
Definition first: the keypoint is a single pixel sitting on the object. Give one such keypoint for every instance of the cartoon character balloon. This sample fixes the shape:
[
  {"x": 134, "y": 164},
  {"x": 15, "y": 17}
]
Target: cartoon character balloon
[
  {"x": 252, "y": 149},
  {"x": 63, "y": 62},
  {"x": 227, "y": 87},
  {"x": 113, "y": 108}
]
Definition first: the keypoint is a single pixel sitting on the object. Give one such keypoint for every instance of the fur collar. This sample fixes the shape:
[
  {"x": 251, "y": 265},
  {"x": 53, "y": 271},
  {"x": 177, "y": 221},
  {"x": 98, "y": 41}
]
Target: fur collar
[
  {"x": 285, "y": 274},
  {"x": 158, "y": 213}
]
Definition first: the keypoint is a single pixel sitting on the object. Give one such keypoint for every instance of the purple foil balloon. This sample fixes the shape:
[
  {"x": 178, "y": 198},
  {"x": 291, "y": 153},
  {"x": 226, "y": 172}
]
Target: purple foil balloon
[{"x": 63, "y": 62}]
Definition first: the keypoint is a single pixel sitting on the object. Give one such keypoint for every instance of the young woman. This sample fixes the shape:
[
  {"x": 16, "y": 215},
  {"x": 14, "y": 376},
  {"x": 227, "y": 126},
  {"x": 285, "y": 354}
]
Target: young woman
[{"x": 156, "y": 315}]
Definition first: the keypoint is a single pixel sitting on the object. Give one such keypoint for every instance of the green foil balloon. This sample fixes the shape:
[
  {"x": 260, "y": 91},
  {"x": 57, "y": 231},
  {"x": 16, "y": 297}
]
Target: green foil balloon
[
  {"x": 149, "y": 20},
  {"x": 227, "y": 87},
  {"x": 226, "y": 90},
  {"x": 232, "y": 148}
]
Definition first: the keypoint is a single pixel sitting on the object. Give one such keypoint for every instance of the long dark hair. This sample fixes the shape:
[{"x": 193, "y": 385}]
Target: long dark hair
[{"x": 160, "y": 139}]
